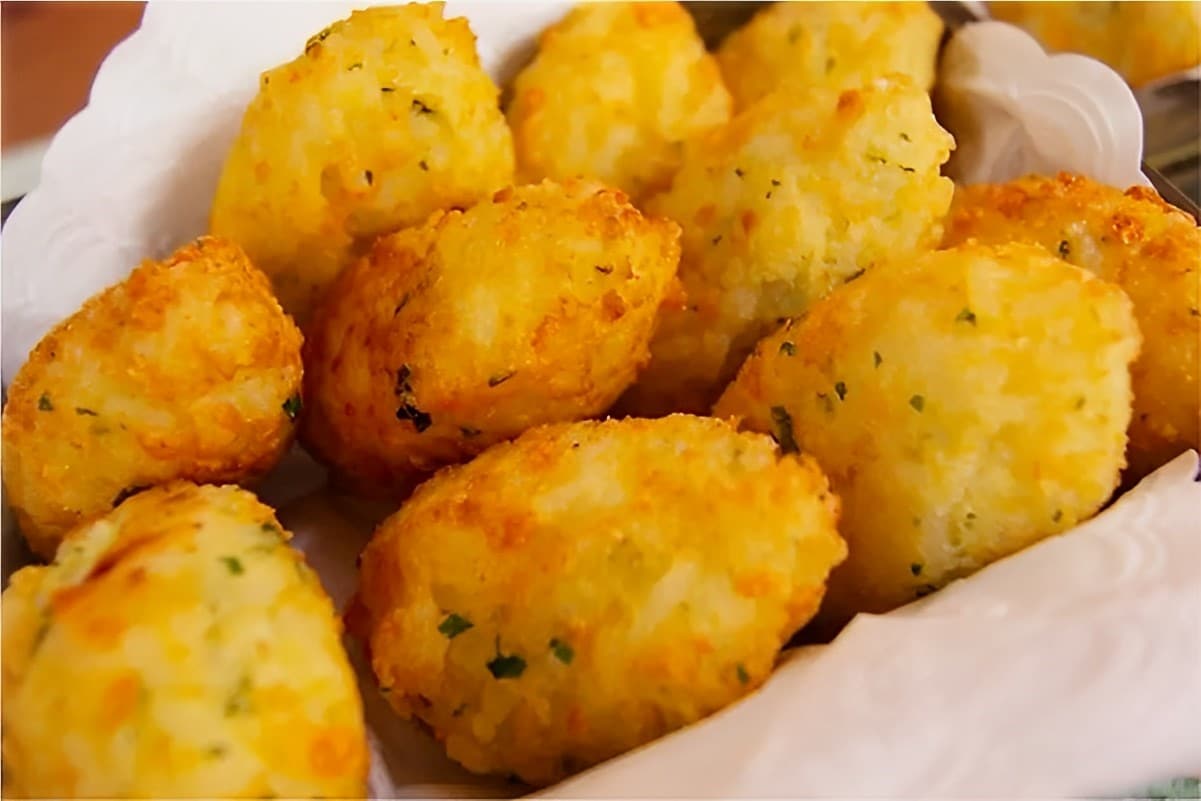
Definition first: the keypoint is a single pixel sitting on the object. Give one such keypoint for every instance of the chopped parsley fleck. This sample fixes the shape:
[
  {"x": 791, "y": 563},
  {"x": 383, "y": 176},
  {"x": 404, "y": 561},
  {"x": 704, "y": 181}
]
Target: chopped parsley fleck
[
  {"x": 506, "y": 666},
  {"x": 269, "y": 528},
  {"x": 420, "y": 108},
  {"x": 129, "y": 492},
  {"x": 775, "y": 182},
  {"x": 966, "y": 316},
  {"x": 39, "y": 636},
  {"x": 1194, "y": 311},
  {"x": 358, "y": 65},
  {"x": 925, "y": 590},
  {"x": 905, "y": 137},
  {"x": 782, "y": 430},
  {"x": 368, "y": 176},
  {"x": 469, "y": 431},
  {"x": 1065, "y": 249},
  {"x": 85, "y": 412},
  {"x": 788, "y": 348},
  {"x": 1080, "y": 402},
  {"x": 854, "y": 275},
  {"x": 233, "y": 564},
  {"x": 292, "y": 406},
  {"x": 717, "y": 239},
  {"x": 453, "y": 625},
  {"x": 917, "y": 402},
  {"x": 830, "y": 62},
  {"x": 743, "y": 676},
  {"x": 840, "y": 389},
  {"x": 907, "y": 169},
  {"x": 387, "y": 89},
  {"x": 404, "y": 301},
  {"x": 915, "y": 569},
  {"x": 738, "y": 171},
  {"x": 500, "y": 378},
  {"x": 423, "y": 165},
  {"x": 877, "y": 359},
  {"x": 604, "y": 269},
  {"x": 458, "y": 710},
  {"x": 562, "y": 651},
  {"x": 1055, "y": 518},
  {"x": 408, "y": 409},
  {"x": 768, "y": 195},
  {"x": 44, "y": 404}
]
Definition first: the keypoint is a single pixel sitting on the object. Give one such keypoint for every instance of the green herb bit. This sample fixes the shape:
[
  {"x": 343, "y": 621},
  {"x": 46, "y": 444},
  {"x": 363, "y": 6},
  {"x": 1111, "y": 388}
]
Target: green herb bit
[
  {"x": 500, "y": 378},
  {"x": 1065, "y": 249},
  {"x": 269, "y": 528},
  {"x": 738, "y": 171},
  {"x": 877, "y": 359},
  {"x": 917, "y": 402},
  {"x": 128, "y": 493},
  {"x": 1194, "y": 311},
  {"x": 387, "y": 89},
  {"x": 854, "y": 275},
  {"x": 44, "y": 404},
  {"x": 233, "y": 564},
  {"x": 420, "y": 420},
  {"x": 425, "y": 167},
  {"x": 788, "y": 348},
  {"x": 915, "y": 569},
  {"x": 907, "y": 169},
  {"x": 782, "y": 430},
  {"x": 562, "y": 651},
  {"x": 775, "y": 182},
  {"x": 453, "y": 625},
  {"x": 840, "y": 389},
  {"x": 604, "y": 269},
  {"x": 358, "y": 65},
  {"x": 404, "y": 301},
  {"x": 292, "y": 406},
  {"x": 85, "y": 412},
  {"x": 743, "y": 676},
  {"x": 469, "y": 431},
  {"x": 1055, "y": 518},
  {"x": 506, "y": 666},
  {"x": 419, "y": 107},
  {"x": 966, "y": 316},
  {"x": 830, "y": 62},
  {"x": 1080, "y": 402},
  {"x": 368, "y": 176},
  {"x": 715, "y": 240},
  {"x": 905, "y": 137}
]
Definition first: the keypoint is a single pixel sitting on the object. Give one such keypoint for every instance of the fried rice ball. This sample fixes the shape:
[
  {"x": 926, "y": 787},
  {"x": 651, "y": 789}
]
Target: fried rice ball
[
  {"x": 177, "y": 647},
  {"x": 614, "y": 92},
  {"x": 1142, "y": 41},
  {"x": 965, "y": 404},
  {"x": 795, "y": 196},
  {"x": 839, "y": 45},
  {"x": 537, "y": 307},
  {"x": 1136, "y": 240},
  {"x": 186, "y": 369},
  {"x": 385, "y": 118},
  {"x": 592, "y": 586}
]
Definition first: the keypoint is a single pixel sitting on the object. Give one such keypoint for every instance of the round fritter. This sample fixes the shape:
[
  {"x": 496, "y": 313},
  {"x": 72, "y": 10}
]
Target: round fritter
[
  {"x": 965, "y": 404},
  {"x": 796, "y": 195},
  {"x": 1142, "y": 41},
  {"x": 592, "y": 586},
  {"x": 385, "y": 118},
  {"x": 1136, "y": 240},
  {"x": 187, "y": 369},
  {"x": 614, "y": 92},
  {"x": 840, "y": 45},
  {"x": 534, "y": 308},
  {"x": 177, "y": 647}
]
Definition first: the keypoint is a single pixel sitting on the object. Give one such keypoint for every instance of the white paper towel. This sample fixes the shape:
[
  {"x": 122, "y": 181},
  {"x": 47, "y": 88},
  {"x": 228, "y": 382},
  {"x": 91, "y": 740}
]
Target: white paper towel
[{"x": 1067, "y": 669}]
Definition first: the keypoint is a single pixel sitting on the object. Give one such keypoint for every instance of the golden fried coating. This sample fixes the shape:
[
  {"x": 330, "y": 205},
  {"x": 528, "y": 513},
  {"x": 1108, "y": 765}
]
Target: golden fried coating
[
  {"x": 591, "y": 586},
  {"x": 838, "y": 45},
  {"x": 793, "y": 197},
  {"x": 614, "y": 92},
  {"x": 1142, "y": 41},
  {"x": 177, "y": 647},
  {"x": 385, "y": 118},
  {"x": 965, "y": 404},
  {"x": 187, "y": 369},
  {"x": 534, "y": 308},
  {"x": 1136, "y": 240}
]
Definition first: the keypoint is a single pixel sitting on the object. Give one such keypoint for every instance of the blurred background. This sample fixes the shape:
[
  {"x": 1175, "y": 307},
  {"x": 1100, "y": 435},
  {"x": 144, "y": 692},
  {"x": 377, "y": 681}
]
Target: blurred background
[{"x": 49, "y": 53}]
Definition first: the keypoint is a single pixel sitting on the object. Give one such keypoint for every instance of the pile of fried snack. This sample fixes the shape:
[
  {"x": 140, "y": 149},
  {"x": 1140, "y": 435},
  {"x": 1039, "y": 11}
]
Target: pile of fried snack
[{"x": 659, "y": 357}]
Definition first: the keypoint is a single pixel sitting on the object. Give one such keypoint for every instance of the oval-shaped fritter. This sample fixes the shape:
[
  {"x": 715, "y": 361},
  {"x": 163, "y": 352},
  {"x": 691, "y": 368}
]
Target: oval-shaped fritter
[
  {"x": 614, "y": 92},
  {"x": 795, "y": 196},
  {"x": 1136, "y": 240},
  {"x": 965, "y": 404},
  {"x": 385, "y": 118},
  {"x": 536, "y": 307},
  {"x": 178, "y": 648},
  {"x": 187, "y": 369},
  {"x": 591, "y": 586}
]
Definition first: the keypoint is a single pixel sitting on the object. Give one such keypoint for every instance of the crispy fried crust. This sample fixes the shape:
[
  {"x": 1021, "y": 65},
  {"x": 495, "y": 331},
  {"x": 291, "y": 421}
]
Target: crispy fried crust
[
  {"x": 591, "y": 586},
  {"x": 841, "y": 45},
  {"x": 536, "y": 307},
  {"x": 1142, "y": 41},
  {"x": 614, "y": 92},
  {"x": 965, "y": 404},
  {"x": 793, "y": 197},
  {"x": 183, "y": 370},
  {"x": 177, "y": 647},
  {"x": 385, "y": 118},
  {"x": 1135, "y": 239}
]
